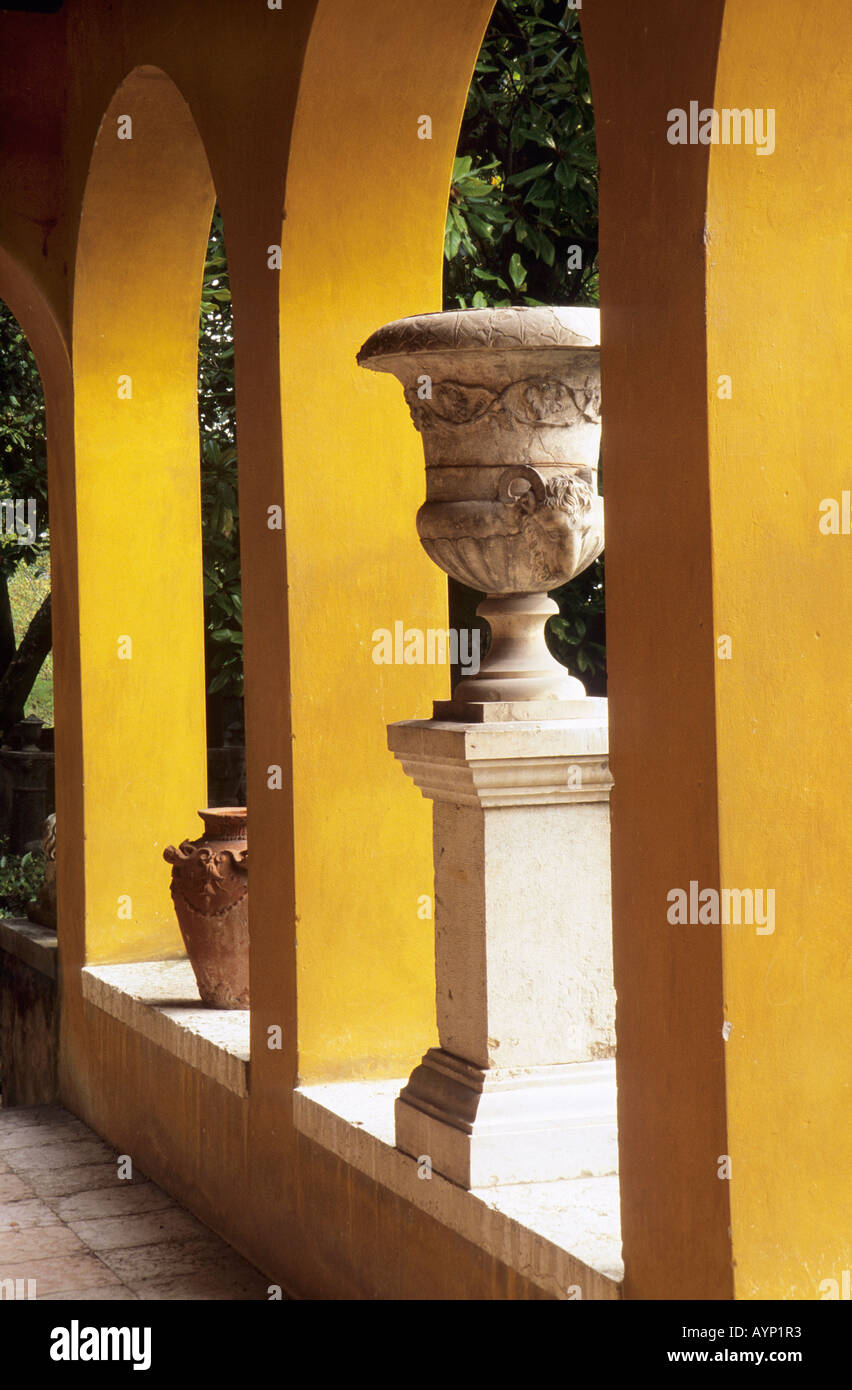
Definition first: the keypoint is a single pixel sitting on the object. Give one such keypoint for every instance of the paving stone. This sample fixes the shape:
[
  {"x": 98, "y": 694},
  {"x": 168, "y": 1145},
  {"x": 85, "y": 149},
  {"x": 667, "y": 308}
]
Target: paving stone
[
  {"x": 119, "y": 1200},
  {"x": 39, "y": 1243},
  {"x": 70, "y": 1153},
  {"x": 114, "y": 1293},
  {"x": 13, "y": 1188},
  {"x": 50, "y": 1183},
  {"x": 32, "y": 1136},
  {"x": 40, "y": 1117},
  {"x": 16, "y": 1116},
  {"x": 70, "y": 1223},
  {"x": 67, "y": 1272},
  {"x": 26, "y": 1212},
  {"x": 148, "y": 1228},
  {"x": 175, "y": 1258},
  {"x": 202, "y": 1286}
]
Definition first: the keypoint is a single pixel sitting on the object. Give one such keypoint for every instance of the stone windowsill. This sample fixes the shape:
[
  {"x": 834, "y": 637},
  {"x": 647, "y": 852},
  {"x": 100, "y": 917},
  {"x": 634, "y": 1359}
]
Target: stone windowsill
[
  {"x": 160, "y": 1000},
  {"x": 35, "y": 946},
  {"x": 560, "y": 1235}
]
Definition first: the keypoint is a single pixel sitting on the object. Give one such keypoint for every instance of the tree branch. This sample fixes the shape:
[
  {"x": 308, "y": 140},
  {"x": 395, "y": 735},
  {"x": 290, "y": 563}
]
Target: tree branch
[{"x": 20, "y": 675}]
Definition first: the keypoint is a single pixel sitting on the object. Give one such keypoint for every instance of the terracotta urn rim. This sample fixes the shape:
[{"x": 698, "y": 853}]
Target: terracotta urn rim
[{"x": 224, "y": 822}]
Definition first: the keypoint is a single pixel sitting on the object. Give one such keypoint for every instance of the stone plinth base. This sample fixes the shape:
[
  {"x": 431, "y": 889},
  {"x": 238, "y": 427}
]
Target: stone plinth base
[
  {"x": 525, "y": 1003},
  {"x": 518, "y": 711},
  {"x": 481, "y": 1128}
]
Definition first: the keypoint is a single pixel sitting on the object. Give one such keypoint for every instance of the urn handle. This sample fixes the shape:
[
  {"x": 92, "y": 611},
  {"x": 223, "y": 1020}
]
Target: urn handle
[{"x": 565, "y": 492}]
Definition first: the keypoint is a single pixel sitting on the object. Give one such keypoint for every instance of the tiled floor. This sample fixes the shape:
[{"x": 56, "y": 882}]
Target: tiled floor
[{"x": 71, "y": 1224}]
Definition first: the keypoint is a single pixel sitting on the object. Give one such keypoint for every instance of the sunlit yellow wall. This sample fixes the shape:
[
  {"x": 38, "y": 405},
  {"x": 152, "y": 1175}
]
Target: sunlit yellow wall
[
  {"x": 145, "y": 222},
  {"x": 779, "y": 287}
]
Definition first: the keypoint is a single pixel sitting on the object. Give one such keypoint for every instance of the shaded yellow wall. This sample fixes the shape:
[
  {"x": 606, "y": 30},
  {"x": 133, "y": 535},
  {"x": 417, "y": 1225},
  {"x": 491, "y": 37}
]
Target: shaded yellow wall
[{"x": 779, "y": 307}]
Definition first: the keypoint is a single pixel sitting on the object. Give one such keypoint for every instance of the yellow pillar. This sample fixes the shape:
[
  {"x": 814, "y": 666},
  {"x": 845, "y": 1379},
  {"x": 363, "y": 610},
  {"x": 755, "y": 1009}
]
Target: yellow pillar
[
  {"x": 779, "y": 310},
  {"x": 143, "y": 232}
]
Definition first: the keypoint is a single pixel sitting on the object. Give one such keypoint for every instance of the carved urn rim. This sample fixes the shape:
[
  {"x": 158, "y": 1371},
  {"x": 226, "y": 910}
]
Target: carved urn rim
[
  {"x": 482, "y": 330},
  {"x": 224, "y": 822}
]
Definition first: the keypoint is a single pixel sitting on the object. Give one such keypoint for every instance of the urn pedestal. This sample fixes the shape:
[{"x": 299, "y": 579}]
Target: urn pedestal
[
  {"x": 210, "y": 894},
  {"x": 521, "y": 1088},
  {"x": 522, "y": 1085}
]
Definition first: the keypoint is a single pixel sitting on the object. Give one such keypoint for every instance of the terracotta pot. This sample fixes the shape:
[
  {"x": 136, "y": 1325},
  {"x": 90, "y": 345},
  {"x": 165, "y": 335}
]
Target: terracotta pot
[{"x": 210, "y": 893}]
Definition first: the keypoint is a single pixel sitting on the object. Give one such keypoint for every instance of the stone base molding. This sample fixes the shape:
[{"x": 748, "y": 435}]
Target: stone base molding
[{"x": 485, "y": 1126}]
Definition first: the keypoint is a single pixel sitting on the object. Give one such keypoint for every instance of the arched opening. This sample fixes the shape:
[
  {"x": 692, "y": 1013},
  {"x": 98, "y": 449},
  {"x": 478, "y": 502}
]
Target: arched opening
[
  {"x": 27, "y": 782},
  {"x": 144, "y": 231},
  {"x": 522, "y": 229},
  {"x": 220, "y": 531}
]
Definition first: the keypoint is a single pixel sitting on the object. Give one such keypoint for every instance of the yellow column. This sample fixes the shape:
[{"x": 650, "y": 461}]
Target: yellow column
[
  {"x": 779, "y": 307},
  {"x": 144, "y": 228}
]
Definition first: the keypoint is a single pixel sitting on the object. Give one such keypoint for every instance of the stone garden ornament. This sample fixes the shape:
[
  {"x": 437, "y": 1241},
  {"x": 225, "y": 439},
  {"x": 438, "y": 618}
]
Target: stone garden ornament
[
  {"x": 508, "y": 405},
  {"x": 522, "y": 1086}
]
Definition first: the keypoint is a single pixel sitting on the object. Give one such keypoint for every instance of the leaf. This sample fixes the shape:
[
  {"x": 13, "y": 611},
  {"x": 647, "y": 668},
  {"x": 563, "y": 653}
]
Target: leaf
[
  {"x": 516, "y": 271},
  {"x": 527, "y": 175},
  {"x": 481, "y": 228}
]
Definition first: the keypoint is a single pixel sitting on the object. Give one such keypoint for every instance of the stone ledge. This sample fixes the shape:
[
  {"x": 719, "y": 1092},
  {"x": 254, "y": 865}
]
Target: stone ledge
[
  {"x": 34, "y": 945},
  {"x": 160, "y": 1000},
  {"x": 562, "y": 1236}
]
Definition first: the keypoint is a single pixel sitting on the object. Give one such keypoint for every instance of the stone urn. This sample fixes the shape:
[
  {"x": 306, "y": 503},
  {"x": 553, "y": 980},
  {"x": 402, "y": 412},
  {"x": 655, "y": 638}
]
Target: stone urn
[
  {"x": 508, "y": 403},
  {"x": 210, "y": 894}
]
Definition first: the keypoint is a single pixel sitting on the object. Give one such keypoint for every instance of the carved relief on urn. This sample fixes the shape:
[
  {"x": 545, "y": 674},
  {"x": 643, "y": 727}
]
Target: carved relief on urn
[
  {"x": 508, "y": 405},
  {"x": 210, "y": 894}
]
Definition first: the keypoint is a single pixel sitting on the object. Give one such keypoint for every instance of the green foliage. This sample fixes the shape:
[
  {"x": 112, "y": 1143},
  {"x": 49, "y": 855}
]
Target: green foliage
[
  {"x": 23, "y": 449},
  {"x": 219, "y": 496},
  {"x": 525, "y": 185},
  {"x": 577, "y": 637},
  {"x": 21, "y": 877},
  {"x": 522, "y": 223}
]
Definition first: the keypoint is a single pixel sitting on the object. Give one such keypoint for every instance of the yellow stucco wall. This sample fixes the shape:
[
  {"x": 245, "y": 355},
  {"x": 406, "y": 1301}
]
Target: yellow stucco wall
[
  {"x": 140, "y": 256},
  {"x": 779, "y": 310},
  {"x": 732, "y": 773}
]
